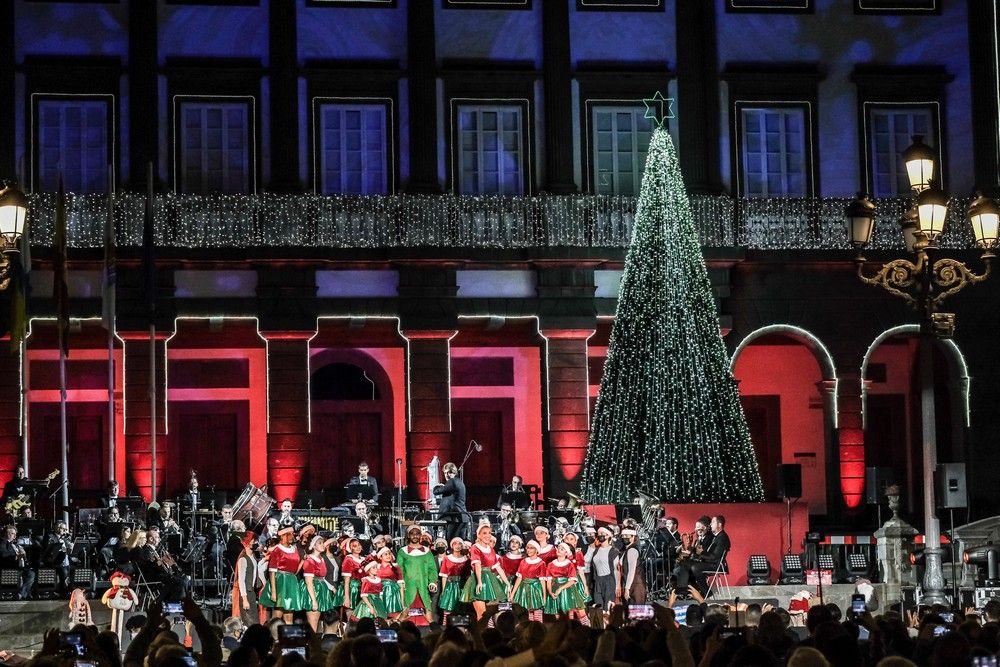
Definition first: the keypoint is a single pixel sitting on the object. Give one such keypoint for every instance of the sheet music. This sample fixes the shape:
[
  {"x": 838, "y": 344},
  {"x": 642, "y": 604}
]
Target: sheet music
[{"x": 433, "y": 479}]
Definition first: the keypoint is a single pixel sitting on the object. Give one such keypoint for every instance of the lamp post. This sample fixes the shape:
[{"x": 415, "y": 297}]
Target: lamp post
[
  {"x": 924, "y": 284},
  {"x": 13, "y": 211}
]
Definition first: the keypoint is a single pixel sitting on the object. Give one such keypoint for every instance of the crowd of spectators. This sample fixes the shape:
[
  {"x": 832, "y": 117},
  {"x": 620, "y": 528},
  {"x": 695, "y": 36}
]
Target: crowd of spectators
[{"x": 712, "y": 636}]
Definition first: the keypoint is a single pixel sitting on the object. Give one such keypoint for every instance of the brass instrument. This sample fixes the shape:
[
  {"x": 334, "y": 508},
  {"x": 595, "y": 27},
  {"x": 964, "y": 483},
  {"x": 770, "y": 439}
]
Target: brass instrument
[
  {"x": 651, "y": 510},
  {"x": 691, "y": 548}
]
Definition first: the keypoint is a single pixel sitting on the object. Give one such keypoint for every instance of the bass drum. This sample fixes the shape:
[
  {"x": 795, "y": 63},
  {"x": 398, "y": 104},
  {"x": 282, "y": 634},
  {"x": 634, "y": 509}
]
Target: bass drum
[{"x": 253, "y": 506}]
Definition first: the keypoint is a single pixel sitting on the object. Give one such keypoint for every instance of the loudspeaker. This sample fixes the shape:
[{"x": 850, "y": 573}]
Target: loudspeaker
[
  {"x": 789, "y": 481},
  {"x": 876, "y": 479},
  {"x": 951, "y": 489}
]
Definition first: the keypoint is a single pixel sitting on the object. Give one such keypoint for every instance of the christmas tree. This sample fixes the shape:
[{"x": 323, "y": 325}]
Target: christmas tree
[{"x": 668, "y": 419}]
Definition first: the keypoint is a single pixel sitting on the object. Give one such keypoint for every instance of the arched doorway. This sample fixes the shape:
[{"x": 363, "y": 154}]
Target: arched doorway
[
  {"x": 891, "y": 409},
  {"x": 351, "y": 402},
  {"x": 792, "y": 413}
]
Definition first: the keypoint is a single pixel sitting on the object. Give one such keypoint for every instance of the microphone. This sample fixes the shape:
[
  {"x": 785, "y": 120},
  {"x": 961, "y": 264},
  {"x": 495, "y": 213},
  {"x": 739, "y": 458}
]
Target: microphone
[
  {"x": 478, "y": 447},
  {"x": 399, "y": 460}
]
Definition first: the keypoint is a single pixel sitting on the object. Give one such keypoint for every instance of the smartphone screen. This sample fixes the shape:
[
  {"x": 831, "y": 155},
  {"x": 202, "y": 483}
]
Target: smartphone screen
[
  {"x": 948, "y": 616},
  {"x": 173, "y": 608},
  {"x": 640, "y": 611},
  {"x": 73, "y": 641},
  {"x": 386, "y": 635},
  {"x": 858, "y": 604},
  {"x": 505, "y": 606},
  {"x": 459, "y": 620},
  {"x": 291, "y": 631},
  {"x": 301, "y": 650},
  {"x": 940, "y": 630},
  {"x": 984, "y": 661}
]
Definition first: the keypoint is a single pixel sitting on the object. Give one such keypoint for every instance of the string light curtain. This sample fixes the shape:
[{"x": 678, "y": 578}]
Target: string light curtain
[{"x": 668, "y": 419}]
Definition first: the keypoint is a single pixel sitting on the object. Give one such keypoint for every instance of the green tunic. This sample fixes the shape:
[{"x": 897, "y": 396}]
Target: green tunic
[{"x": 419, "y": 570}]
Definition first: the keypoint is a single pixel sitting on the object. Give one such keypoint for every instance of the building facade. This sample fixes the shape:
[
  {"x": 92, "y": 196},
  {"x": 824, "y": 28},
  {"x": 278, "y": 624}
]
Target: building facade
[{"x": 387, "y": 228}]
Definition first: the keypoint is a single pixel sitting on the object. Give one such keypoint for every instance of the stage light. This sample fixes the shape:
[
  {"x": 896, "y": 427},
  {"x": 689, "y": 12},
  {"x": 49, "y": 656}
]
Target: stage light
[
  {"x": 792, "y": 572},
  {"x": 987, "y": 555},
  {"x": 858, "y": 567},
  {"x": 47, "y": 583},
  {"x": 758, "y": 570},
  {"x": 825, "y": 561},
  {"x": 10, "y": 583},
  {"x": 83, "y": 577}
]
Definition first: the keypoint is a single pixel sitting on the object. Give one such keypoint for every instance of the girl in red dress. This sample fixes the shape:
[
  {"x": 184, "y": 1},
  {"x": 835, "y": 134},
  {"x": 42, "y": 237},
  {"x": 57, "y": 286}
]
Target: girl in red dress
[
  {"x": 529, "y": 587},
  {"x": 563, "y": 595},
  {"x": 282, "y": 588},
  {"x": 454, "y": 571},
  {"x": 352, "y": 573},
  {"x": 581, "y": 576},
  {"x": 511, "y": 560},
  {"x": 371, "y": 605},
  {"x": 484, "y": 586},
  {"x": 546, "y": 551}
]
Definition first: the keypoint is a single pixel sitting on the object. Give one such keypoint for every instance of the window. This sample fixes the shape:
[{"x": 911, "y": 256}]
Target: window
[
  {"x": 777, "y": 6},
  {"x": 352, "y": 152},
  {"x": 73, "y": 138},
  {"x": 486, "y": 4},
  {"x": 890, "y": 132},
  {"x": 619, "y": 5},
  {"x": 620, "y": 139},
  {"x": 214, "y": 145},
  {"x": 490, "y": 149},
  {"x": 897, "y": 6},
  {"x": 773, "y": 150}
]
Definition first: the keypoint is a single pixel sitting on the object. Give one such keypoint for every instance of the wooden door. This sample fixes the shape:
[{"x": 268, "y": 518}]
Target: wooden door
[
  {"x": 340, "y": 441},
  {"x": 484, "y": 471},
  {"x": 211, "y": 438},
  {"x": 763, "y": 415},
  {"x": 86, "y": 437}
]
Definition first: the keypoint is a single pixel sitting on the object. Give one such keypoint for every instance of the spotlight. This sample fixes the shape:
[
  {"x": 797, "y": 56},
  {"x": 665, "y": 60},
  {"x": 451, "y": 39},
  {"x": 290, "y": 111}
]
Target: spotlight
[
  {"x": 10, "y": 583},
  {"x": 858, "y": 567},
  {"x": 792, "y": 572},
  {"x": 987, "y": 555},
  {"x": 47, "y": 583},
  {"x": 758, "y": 570},
  {"x": 83, "y": 577},
  {"x": 825, "y": 561}
]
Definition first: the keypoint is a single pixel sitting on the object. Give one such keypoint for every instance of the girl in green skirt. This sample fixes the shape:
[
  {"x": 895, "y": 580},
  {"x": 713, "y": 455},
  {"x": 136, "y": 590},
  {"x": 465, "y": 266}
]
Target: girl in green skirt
[
  {"x": 351, "y": 573},
  {"x": 371, "y": 605},
  {"x": 454, "y": 570},
  {"x": 581, "y": 578},
  {"x": 564, "y": 596},
  {"x": 315, "y": 594},
  {"x": 488, "y": 582},
  {"x": 529, "y": 589},
  {"x": 392, "y": 582},
  {"x": 282, "y": 588}
]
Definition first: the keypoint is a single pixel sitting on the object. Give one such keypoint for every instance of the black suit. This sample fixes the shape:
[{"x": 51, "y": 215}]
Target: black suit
[
  {"x": 452, "y": 507},
  {"x": 714, "y": 550},
  {"x": 368, "y": 481},
  {"x": 13, "y": 556}
]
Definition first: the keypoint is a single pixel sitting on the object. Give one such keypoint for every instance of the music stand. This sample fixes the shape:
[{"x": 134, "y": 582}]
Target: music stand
[
  {"x": 356, "y": 492},
  {"x": 517, "y": 499},
  {"x": 623, "y": 512}
]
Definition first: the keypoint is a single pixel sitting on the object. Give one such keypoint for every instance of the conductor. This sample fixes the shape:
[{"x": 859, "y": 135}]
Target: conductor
[{"x": 452, "y": 502}]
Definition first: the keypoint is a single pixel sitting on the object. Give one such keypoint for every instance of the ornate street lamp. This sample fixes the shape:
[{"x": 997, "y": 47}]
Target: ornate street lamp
[
  {"x": 13, "y": 212},
  {"x": 924, "y": 284}
]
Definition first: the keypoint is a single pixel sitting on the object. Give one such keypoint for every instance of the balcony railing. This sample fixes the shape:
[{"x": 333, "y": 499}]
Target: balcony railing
[{"x": 295, "y": 221}]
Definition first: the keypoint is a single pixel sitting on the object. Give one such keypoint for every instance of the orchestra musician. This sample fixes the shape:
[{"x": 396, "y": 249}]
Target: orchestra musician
[
  {"x": 667, "y": 542},
  {"x": 452, "y": 502},
  {"x": 506, "y": 527},
  {"x": 689, "y": 565},
  {"x": 371, "y": 527},
  {"x": 514, "y": 494},
  {"x": 14, "y": 487},
  {"x": 13, "y": 556},
  {"x": 364, "y": 479},
  {"x": 111, "y": 499},
  {"x": 57, "y": 549},
  {"x": 156, "y": 564},
  {"x": 285, "y": 518}
]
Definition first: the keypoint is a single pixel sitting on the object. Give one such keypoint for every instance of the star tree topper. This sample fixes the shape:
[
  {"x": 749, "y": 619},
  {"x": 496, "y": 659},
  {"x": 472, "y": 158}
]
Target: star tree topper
[{"x": 659, "y": 109}]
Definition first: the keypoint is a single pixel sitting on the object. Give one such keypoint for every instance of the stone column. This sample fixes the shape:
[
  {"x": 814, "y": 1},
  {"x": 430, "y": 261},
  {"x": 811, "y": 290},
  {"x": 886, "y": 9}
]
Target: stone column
[
  {"x": 429, "y": 403},
  {"x": 287, "y": 410},
  {"x": 567, "y": 407},
  {"x": 894, "y": 544},
  {"x": 138, "y": 450},
  {"x": 850, "y": 442}
]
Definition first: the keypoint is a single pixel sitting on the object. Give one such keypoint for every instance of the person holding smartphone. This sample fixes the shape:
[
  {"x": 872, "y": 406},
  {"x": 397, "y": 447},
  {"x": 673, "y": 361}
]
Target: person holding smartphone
[
  {"x": 528, "y": 590},
  {"x": 371, "y": 605},
  {"x": 488, "y": 582},
  {"x": 454, "y": 571},
  {"x": 563, "y": 594}
]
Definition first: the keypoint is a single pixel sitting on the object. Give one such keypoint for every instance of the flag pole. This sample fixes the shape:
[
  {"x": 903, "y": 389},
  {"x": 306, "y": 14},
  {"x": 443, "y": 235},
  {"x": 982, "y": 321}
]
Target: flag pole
[
  {"x": 23, "y": 344},
  {"x": 61, "y": 282},
  {"x": 109, "y": 308},
  {"x": 152, "y": 340}
]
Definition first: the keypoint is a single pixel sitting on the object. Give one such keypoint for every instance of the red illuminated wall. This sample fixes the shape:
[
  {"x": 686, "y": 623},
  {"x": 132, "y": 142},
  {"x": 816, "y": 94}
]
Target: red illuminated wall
[{"x": 791, "y": 372}]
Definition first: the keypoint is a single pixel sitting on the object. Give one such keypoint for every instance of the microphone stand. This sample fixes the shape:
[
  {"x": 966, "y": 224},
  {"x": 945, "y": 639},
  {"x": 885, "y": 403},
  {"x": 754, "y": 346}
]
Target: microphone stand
[
  {"x": 468, "y": 453},
  {"x": 397, "y": 512},
  {"x": 52, "y": 498}
]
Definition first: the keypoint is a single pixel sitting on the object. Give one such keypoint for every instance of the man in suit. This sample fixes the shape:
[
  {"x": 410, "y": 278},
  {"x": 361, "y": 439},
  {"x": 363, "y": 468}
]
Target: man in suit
[
  {"x": 13, "y": 556},
  {"x": 363, "y": 479},
  {"x": 690, "y": 562},
  {"x": 667, "y": 542},
  {"x": 713, "y": 555},
  {"x": 452, "y": 502}
]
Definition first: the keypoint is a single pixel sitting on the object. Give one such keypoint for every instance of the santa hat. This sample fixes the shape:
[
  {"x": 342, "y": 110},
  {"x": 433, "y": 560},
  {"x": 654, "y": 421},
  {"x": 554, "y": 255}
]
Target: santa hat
[
  {"x": 118, "y": 575},
  {"x": 533, "y": 544},
  {"x": 370, "y": 565},
  {"x": 247, "y": 539},
  {"x": 287, "y": 530}
]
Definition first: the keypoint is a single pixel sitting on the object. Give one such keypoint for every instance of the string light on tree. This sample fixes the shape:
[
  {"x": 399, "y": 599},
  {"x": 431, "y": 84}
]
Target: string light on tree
[{"x": 668, "y": 418}]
